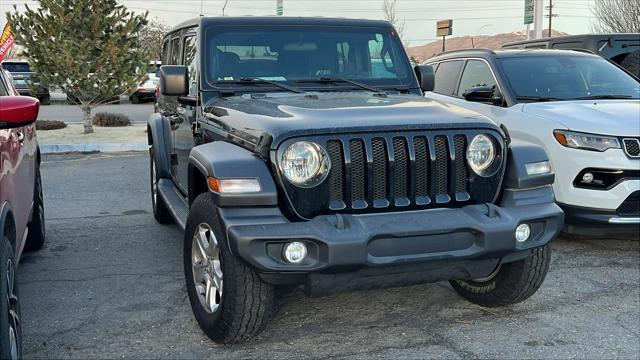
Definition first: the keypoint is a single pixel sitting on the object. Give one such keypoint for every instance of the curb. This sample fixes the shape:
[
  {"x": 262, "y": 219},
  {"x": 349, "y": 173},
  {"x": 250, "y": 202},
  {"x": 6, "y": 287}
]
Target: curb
[{"x": 85, "y": 148}]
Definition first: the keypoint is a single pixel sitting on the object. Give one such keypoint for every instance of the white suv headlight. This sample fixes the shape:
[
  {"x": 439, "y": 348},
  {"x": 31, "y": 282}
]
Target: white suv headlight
[
  {"x": 586, "y": 141},
  {"x": 480, "y": 154},
  {"x": 305, "y": 164}
]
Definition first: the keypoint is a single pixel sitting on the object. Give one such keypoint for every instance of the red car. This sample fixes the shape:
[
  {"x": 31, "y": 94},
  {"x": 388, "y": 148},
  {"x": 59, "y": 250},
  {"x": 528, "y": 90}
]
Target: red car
[{"x": 21, "y": 205}]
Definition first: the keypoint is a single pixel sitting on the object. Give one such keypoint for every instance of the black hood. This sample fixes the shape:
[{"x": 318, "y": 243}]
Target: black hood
[{"x": 260, "y": 118}]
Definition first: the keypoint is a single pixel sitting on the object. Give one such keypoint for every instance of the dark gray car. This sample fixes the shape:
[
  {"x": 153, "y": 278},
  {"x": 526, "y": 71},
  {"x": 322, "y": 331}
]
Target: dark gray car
[
  {"x": 299, "y": 151},
  {"x": 25, "y": 80}
]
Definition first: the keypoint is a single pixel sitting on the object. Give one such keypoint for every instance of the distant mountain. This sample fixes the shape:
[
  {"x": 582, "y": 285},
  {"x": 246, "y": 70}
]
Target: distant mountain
[{"x": 424, "y": 52}]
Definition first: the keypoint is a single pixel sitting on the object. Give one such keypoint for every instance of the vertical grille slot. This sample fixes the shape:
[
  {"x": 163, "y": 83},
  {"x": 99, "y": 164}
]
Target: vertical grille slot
[
  {"x": 358, "y": 171},
  {"x": 401, "y": 166},
  {"x": 422, "y": 166},
  {"x": 379, "y": 169},
  {"x": 440, "y": 175},
  {"x": 459, "y": 143},
  {"x": 336, "y": 176}
]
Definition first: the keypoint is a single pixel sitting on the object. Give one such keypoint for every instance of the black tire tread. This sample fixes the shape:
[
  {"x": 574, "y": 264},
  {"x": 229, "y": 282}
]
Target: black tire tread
[
  {"x": 514, "y": 283},
  {"x": 248, "y": 303},
  {"x": 36, "y": 236},
  {"x": 160, "y": 210}
]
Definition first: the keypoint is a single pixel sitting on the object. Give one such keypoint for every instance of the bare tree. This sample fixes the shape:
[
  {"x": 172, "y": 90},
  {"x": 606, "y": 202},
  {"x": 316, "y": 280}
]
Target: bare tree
[
  {"x": 617, "y": 16},
  {"x": 151, "y": 37},
  {"x": 390, "y": 14}
]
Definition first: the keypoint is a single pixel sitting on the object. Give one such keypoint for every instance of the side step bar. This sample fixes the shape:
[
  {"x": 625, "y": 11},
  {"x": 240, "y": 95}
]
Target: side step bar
[{"x": 175, "y": 202}]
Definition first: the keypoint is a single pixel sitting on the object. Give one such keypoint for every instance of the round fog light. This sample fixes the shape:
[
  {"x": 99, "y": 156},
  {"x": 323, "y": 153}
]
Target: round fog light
[
  {"x": 522, "y": 232},
  {"x": 295, "y": 252},
  {"x": 587, "y": 178}
]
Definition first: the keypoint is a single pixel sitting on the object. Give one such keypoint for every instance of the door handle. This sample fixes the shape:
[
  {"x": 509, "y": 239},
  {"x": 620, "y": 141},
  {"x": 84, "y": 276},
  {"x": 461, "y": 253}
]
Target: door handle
[{"x": 20, "y": 136}]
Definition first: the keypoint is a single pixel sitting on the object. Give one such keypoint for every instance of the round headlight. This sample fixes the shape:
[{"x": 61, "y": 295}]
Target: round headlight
[
  {"x": 480, "y": 154},
  {"x": 305, "y": 164}
]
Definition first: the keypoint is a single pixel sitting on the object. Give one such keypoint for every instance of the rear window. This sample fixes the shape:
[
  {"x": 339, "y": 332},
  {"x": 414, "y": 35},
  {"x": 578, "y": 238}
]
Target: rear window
[
  {"x": 447, "y": 77},
  {"x": 16, "y": 67}
]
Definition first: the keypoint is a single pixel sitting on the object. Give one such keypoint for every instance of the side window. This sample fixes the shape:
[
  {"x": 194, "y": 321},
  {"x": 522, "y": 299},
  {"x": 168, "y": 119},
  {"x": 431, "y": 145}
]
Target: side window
[
  {"x": 165, "y": 52},
  {"x": 476, "y": 73},
  {"x": 447, "y": 77},
  {"x": 191, "y": 62},
  {"x": 175, "y": 51}
]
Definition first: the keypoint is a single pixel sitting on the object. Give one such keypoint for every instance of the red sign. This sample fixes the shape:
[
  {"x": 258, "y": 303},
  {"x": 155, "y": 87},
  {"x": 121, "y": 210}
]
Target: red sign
[{"x": 6, "y": 41}]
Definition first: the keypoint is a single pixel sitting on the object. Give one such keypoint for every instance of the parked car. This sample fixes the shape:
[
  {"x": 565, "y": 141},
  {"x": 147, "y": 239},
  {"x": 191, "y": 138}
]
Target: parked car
[
  {"x": 146, "y": 91},
  {"x": 21, "y": 207},
  {"x": 623, "y": 49},
  {"x": 287, "y": 161},
  {"x": 25, "y": 80},
  {"x": 583, "y": 110}
]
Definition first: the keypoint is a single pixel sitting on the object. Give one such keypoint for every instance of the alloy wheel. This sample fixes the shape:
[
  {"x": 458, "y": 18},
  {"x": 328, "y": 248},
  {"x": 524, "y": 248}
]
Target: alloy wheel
[{"x": 206, "y": 265}]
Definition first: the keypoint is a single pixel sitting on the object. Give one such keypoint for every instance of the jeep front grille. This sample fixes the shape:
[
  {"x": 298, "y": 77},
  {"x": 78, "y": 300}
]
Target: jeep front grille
[{"x": 395, "y": 171}]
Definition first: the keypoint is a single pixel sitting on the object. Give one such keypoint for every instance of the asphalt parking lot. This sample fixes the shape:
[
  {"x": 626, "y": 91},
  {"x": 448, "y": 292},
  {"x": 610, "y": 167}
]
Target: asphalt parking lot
[{"x": 109, "y": 284}]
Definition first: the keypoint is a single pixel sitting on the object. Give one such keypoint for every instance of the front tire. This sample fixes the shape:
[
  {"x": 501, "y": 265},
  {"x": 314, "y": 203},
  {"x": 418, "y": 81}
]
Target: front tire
[
  {"x": 36, "y": 235},
  {"x": 45, "y": 100},
  {"x": 229, "y": 300},
  {"x": 160, "y": 211},
  {"x": 511, "y": 283},
  {"x": 10, "y": 325}
]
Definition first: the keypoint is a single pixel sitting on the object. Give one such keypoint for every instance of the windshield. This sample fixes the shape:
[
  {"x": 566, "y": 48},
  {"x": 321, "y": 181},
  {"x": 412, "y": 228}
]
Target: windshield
[
  {"x": 567, "y": 78},
  {"x": 16, "y": 67},
  {"x": 291, "y": 54}
]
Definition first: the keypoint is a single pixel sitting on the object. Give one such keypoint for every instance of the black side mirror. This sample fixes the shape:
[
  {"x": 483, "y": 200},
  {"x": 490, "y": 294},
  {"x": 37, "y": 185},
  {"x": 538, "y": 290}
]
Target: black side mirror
[
  {"x": 426, "y": 77},
  {"x": 485, "y": 94},
  {"x": 174, "y": 80}
]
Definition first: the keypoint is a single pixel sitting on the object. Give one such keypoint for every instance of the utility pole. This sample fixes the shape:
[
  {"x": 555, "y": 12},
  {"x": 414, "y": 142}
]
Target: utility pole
[{"x": 550, "y": 16}]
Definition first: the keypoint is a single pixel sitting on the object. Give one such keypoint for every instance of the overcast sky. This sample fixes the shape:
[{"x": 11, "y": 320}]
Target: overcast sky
[{"x": 470, "y": 17}]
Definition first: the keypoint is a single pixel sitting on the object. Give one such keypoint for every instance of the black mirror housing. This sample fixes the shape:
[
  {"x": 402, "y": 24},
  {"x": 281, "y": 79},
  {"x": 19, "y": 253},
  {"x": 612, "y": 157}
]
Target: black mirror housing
[
  {"x": 174, "y": 80},
  {"x": 426, "y": 77},
  {"x": 486, "y": 94}
]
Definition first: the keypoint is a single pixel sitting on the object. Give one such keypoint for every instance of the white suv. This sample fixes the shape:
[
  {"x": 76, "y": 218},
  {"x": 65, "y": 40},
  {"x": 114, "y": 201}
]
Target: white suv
[{"x": 584, "y": 110}]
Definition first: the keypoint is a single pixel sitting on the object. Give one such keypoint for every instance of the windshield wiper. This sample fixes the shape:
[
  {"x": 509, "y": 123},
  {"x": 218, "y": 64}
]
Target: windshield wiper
[
  {"x": 329, "y": 80},
  {"x": 249, "y": 81},
  {"x": 597, "y": 97},
  {"x": 537, "y": 98}
]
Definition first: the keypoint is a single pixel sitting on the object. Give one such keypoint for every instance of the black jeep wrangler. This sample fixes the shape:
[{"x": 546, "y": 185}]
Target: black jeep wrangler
[{"x": 299, "y": 151}]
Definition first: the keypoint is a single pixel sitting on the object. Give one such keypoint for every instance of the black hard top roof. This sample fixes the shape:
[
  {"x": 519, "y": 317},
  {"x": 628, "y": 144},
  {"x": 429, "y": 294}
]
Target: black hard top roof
[
  {"x": 487, "y": 53},
  {"x": 280, "y": 20}
]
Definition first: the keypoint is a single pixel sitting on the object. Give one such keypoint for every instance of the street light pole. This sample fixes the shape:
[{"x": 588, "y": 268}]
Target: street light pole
[
  {"x": 224, "y": 6},
  {"x": 478, "y": 33}
]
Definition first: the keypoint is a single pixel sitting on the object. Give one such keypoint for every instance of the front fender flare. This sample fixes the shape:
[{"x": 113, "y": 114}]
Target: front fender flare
[{"x": 223, "y": 160}]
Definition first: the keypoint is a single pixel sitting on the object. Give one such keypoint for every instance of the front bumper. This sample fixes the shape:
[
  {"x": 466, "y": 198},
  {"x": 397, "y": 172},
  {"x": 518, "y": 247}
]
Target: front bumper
[
  {"x": 342, "y": 243},
  {"x": 595, "y": 221}
]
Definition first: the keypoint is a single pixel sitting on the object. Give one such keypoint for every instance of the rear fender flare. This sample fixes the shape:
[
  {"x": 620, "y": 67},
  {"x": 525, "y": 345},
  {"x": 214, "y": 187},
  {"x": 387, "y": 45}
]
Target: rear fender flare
[{"x": 159, "y": 139}]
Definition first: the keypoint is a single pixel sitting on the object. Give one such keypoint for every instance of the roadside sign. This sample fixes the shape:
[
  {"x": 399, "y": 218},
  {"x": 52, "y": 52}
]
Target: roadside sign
[
  {"x": 444, "y": 28},
  {"x": 279, "y": 7},
  {"x": 528, "y": 11},
  {"x": 6, "y": 41},
  {"x": 444, "y": 32},
  {"x": 442, "y": 24}
]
